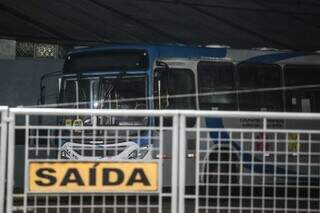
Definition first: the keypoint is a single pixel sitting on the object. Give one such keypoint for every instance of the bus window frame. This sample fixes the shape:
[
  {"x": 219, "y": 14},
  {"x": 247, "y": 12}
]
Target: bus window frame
[
  {"x": 281, "y": 82},
  {"x": 190, "y": 122},
  {"x": 168, "y": 72},
  {"x": 234, "y": 80}
]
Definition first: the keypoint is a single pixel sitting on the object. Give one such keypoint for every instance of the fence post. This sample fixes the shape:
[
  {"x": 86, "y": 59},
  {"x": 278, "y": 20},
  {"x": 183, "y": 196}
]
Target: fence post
[
  {"x": 10, "y": 164},
  {"x": 182, "y": 163},
  {"x": 175, "y": 164},
  {"x": 3, "y": 155}
]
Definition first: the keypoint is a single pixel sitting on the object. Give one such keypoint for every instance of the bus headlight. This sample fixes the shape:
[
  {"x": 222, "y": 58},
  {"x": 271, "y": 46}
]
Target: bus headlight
[
  {"x": 63, "y": 154},
  {"x": 143, "y": 151},
  {"x": 139, "y": 154},
  {"x": 133, "y": 155}
]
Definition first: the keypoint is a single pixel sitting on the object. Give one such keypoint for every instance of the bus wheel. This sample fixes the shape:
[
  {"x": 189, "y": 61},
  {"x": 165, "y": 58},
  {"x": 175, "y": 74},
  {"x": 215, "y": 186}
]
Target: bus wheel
[{"x": 221, "y": 176}]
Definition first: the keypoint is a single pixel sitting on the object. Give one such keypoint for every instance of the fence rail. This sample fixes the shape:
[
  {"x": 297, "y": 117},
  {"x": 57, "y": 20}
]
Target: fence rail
[
  {"x": 81, "y": 160},
  {"x": 3, "y": 152}
]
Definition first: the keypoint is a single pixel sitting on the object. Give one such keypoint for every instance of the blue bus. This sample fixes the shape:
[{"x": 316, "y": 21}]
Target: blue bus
[{"x": 199, "y": 78}]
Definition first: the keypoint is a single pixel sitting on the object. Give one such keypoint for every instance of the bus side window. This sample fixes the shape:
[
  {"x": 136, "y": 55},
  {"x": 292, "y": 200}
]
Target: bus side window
[
  {"x": 259, "y": 87},
  {"x": 302, "y": 84},
  {"x": 216, "y": 86},
  {"x": 175, "y": 89}
]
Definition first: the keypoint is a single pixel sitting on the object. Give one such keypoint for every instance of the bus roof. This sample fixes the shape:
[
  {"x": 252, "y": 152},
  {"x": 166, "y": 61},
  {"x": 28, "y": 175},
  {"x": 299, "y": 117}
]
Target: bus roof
[
  {"x": 161, "y": 51},
  {"x": 167, "y": 51}
]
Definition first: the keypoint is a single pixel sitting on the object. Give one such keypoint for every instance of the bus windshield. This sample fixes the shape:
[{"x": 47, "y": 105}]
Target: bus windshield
[
  {"x": 124, "y": 92},
  {"x": 80, "y": 93}
]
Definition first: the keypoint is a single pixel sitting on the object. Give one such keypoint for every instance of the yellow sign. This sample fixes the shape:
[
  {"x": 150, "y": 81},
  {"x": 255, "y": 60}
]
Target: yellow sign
[{"x": 70, "y": 176}]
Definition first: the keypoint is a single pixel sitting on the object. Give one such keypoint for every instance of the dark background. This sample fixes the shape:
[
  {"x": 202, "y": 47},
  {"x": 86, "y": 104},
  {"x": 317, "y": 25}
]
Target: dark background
[{"x": 283, "y": 24}]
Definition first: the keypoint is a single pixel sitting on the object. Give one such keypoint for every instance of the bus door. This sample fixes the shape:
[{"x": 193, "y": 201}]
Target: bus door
[{"x": 174, "y": 88}]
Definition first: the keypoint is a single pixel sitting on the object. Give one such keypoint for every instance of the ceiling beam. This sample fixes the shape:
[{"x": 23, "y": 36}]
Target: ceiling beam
[
  {"x": 34, "y": 22},
  {"x": 139, "y": 22},
  {"x": 237, "y": 8},
  {"x": 85, "y": 12},
  {"x": 243, "y": 28}
]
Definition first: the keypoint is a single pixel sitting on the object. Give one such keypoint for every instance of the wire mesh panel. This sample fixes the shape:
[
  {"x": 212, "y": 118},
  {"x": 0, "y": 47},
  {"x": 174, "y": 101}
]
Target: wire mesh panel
[
  {"x": 244, "y": 163},
  {"x": 46, "y": 50},
  {"x": 92, "y": 161},
  {"x": 41, "y": 50},
  {"x": 3, "y": 150},
  {"x": 25, "y": 49}
]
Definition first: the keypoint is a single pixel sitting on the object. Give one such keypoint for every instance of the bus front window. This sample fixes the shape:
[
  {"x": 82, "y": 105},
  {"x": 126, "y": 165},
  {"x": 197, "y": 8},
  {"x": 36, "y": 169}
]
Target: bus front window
[
  {"x": 124, "y": 93},
  {"x": 107, "y": 93},
  {"x": 80, "y": 93}
]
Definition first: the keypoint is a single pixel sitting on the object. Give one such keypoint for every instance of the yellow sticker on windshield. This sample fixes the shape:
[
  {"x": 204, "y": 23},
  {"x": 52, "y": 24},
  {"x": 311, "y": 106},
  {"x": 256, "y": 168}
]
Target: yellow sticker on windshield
[
  {"x": 293, "y": 145},
  {"x": 77, "y": 122},
  {"x": 68, "y": 122}
]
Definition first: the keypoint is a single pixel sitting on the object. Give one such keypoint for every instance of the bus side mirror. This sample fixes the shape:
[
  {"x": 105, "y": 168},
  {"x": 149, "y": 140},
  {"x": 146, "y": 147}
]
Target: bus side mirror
[{"x": 49, "y": 88}]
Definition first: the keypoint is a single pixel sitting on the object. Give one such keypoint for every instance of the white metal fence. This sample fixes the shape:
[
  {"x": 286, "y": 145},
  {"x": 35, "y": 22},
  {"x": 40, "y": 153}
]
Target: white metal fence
[
  {"x": 50, "y": 137},
  {"x": 257, "y": 162},
  {"x": 3, "y": 152},
  {"x": 66, "y": 160}
]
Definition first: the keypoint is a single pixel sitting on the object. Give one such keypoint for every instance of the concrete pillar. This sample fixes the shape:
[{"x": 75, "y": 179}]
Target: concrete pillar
[{"x": 7, "y": 49}]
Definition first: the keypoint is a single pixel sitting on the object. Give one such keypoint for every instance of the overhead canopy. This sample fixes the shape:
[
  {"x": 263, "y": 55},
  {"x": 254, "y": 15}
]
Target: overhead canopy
[{"x": 282, "y": 24}]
